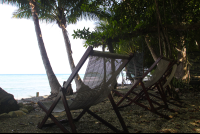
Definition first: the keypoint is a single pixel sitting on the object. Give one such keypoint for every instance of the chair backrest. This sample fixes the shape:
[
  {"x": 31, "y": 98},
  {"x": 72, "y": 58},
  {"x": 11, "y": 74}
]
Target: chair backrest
[
  {"x": 160, "y": 65},
  {"x": 135, "y": 67},
  {"x": 171, "y": 75},
  {"x": 99, "y": 79},
  {"x": 158, "y": 72}
]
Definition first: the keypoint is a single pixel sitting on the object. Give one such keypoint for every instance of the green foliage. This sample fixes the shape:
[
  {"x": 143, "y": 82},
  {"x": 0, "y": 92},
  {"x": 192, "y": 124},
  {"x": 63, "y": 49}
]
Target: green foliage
[
  {"x": 124, "y": 24},
  {"x": 178, "y": 86},
  {"x": 131, "y": 18},
  {"x": 177, "y": 83}
]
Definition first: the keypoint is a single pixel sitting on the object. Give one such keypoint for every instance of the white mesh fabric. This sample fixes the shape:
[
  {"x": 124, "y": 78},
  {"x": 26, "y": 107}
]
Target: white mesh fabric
[
  {"x": 157, "y": 74},
  {"x": 135, "y": 66},
  {"x": 171, "y": 76},
  {"x": 99, "y": 78}
]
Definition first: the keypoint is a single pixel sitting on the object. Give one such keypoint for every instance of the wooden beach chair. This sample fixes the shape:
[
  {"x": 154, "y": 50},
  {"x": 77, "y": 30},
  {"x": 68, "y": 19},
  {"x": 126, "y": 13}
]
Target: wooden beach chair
[
  {"x": 164, "y": 71},
  {"x": 99, "y": 79}
]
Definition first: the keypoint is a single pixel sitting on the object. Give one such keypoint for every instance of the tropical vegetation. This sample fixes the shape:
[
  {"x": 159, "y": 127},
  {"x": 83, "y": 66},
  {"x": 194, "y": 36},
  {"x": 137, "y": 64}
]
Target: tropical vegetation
[
  {"x": 156, "y": 27},
  {"x": 60, "y": 11},
  {"x": 29, "y": 10}
]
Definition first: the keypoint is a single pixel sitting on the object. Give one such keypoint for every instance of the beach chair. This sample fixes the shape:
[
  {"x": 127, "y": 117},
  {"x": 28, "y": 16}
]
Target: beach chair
[
  {"x": 99, "y": 79},
  {"x": 151, "y": 91},
  {"x": 135, "y": 68}
]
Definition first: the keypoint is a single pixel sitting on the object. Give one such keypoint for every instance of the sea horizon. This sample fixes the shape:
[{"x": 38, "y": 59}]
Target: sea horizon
[{"x": 27, "y": 85}]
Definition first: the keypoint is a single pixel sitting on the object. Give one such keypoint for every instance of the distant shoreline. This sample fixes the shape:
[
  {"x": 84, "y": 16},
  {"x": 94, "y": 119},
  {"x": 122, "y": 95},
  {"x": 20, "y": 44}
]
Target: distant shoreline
[
  {"x": 23, "y": 86},
  {"x": 31, "y": 99}
]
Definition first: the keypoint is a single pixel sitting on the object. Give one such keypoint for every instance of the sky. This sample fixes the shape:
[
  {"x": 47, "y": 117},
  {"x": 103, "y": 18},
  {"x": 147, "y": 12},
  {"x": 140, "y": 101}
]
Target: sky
[{"x": 19, "y": 51}]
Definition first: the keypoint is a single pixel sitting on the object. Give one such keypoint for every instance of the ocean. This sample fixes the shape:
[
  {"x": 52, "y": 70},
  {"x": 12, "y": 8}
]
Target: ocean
[{"x": 26, "y": 85}]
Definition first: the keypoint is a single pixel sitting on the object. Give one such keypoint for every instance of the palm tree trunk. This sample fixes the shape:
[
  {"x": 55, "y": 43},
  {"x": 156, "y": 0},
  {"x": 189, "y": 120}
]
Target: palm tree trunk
[
  {"x": 53, "y": 82},
  {"x": 151, "y": 49},
  {"x": 77, "y": 78},
  {"x": 163, "y": 31},
  {"x": 159, "y": 40}
]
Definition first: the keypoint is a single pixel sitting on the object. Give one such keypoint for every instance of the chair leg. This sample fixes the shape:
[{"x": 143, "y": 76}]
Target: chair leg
[
  {"x": 160, "y": 90},
  {"x": 53, "y": 118},
  {"x": 59, "y": 124},
  {"x": 69, "y": 115},
  {"x": 117, "y": 113},
  {"x": 168, "y": 90},
  {"x": 40, "y": 125},
  {"x": 81, "y": 114},
  {"x": 105, "y": 122},
  {"x": 147, "y": 96}
]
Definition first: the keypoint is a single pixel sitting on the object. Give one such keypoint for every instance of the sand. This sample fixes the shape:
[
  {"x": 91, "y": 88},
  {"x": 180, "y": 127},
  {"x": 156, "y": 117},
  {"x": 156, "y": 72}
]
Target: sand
[{"x": 138, "y": 120}]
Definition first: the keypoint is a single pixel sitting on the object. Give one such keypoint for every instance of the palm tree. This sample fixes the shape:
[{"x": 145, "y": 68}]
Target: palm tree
[
  {"x": 31, "y": 4},
  {"x": 64, "y": 12},
  {"x": 53, "y": 81}
]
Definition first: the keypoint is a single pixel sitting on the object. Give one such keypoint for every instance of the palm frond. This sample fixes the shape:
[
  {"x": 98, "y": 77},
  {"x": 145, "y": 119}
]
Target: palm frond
[{"x": 22, "y": 12}]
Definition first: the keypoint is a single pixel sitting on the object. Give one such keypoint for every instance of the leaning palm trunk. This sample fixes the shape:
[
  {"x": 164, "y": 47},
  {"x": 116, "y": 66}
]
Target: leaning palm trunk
[
  {"x": 77, "y": 78},
  {"x": 151, "y": 49},
  {"x": 54, "y": 84}
]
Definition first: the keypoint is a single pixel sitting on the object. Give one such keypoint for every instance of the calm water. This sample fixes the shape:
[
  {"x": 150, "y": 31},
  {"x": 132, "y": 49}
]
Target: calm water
[{"x": 26, "y": 85}]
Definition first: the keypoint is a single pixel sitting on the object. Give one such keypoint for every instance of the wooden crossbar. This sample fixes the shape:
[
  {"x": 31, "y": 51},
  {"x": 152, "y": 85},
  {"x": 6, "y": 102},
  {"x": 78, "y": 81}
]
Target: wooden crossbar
[{"x": 109, "y": 55}]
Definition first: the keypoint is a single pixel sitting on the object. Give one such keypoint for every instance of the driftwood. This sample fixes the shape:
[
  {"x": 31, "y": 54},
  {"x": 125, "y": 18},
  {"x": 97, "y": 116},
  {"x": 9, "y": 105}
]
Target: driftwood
[{"x": 7, "y": 102}]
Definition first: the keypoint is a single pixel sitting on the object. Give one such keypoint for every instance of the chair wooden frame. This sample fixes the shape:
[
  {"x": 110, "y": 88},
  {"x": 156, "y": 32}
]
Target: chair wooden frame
[
  {"x": 61, "y": 95},
  {"x": 144, "y": 94}
]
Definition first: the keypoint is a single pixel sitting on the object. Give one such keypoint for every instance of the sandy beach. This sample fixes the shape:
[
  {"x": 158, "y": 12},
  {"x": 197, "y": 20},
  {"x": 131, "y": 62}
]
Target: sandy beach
[
  {"x": 32, "y": 99},
  {"x": 36, "y": 99},
  {"x": 138, "y": 120}
]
